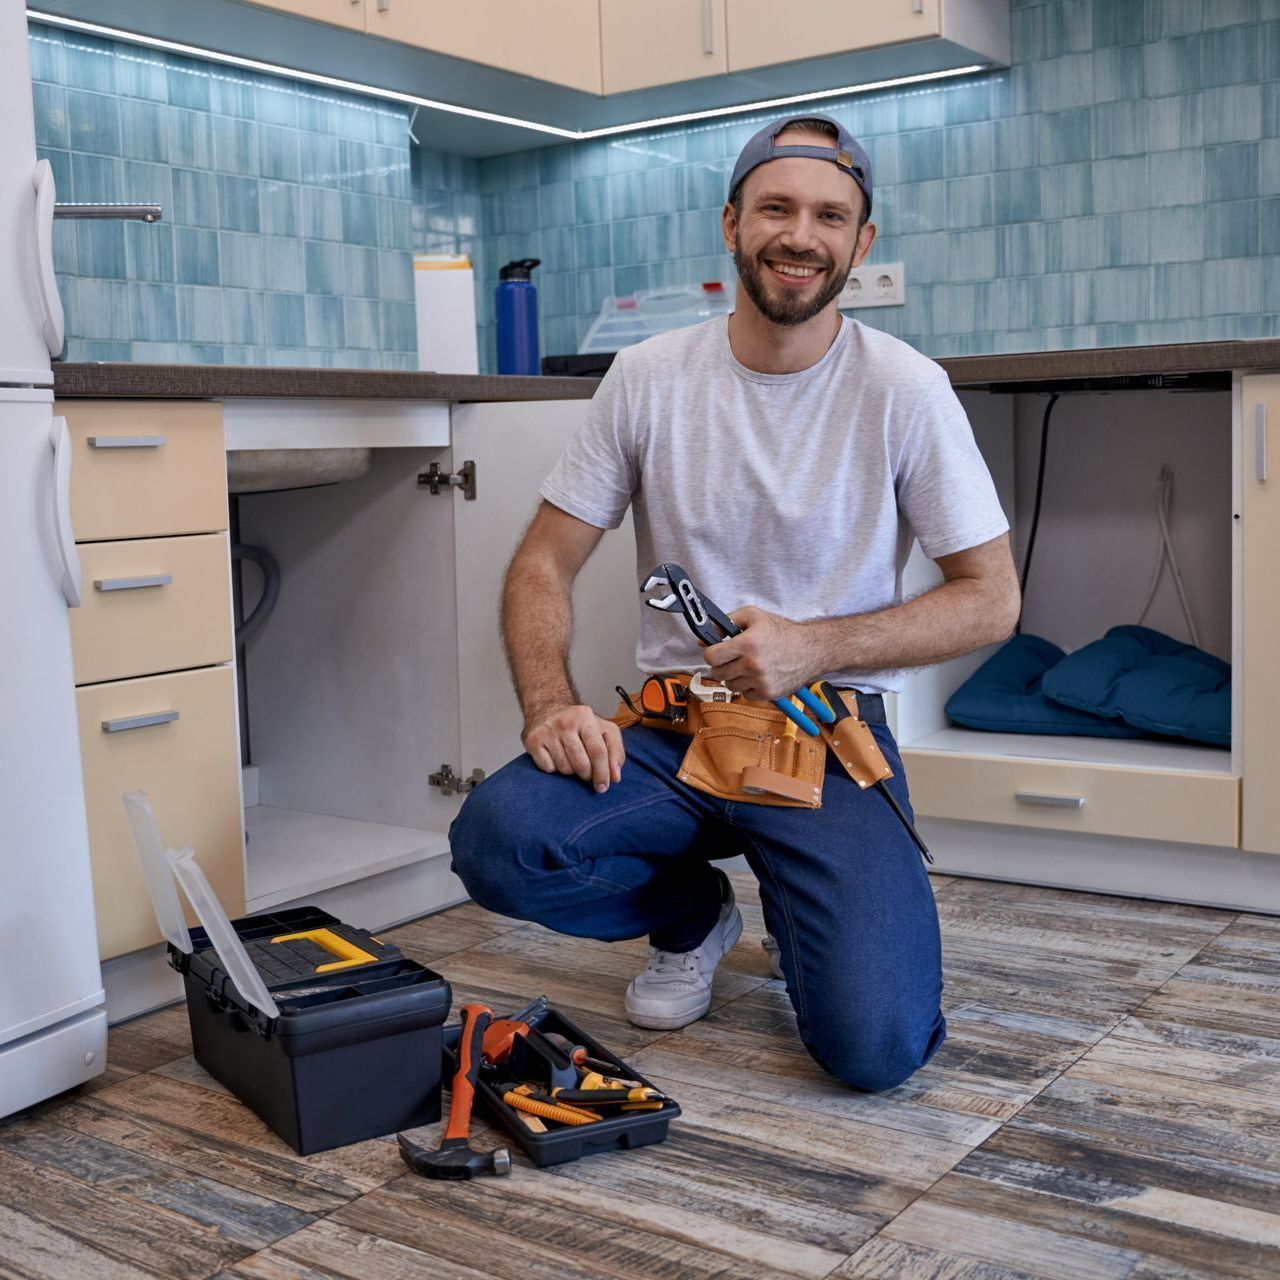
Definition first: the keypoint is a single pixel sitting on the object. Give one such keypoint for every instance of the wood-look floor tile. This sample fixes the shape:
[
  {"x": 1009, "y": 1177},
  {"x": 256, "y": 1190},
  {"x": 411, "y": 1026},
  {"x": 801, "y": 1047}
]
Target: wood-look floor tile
[
  {"x": 133, "y": 1209},
  {"x": 514, "y": 1217},
  {"x": 448, "y": 931},
  {"x": 183, "y": 1113},
  {"x": 329, "y": 1251},
  {"x": 30, "y": 1249}
]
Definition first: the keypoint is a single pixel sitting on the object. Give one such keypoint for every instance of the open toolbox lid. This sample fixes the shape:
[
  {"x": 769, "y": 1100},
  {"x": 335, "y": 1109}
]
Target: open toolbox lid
[{"x": 165, "y": 869}]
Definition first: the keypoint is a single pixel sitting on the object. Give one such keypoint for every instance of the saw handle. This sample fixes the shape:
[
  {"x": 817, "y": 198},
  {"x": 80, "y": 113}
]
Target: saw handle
[{"x": 475, "y": 1021}]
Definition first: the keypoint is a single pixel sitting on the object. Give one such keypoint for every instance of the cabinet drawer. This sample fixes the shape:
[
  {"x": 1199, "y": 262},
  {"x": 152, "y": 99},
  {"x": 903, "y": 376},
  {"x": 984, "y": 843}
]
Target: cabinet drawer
[
  {"x": 144, "y": 470},
  {"x": 1147, "y": 804},
  {"x": 189, "y": 767},
  {"x": 150, "y": 605}
]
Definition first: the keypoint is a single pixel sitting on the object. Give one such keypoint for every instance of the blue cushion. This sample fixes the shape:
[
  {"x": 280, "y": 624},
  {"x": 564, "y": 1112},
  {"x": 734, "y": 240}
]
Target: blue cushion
[
  {"x": 1148, "y": 679},
  {"x": 1004, "y": 695}
]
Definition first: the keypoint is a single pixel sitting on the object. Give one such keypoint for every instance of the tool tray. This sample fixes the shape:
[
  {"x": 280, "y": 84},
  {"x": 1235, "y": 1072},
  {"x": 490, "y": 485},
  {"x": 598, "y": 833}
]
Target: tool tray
[
  {"x": 352, "y": 1053},
  {"x": 561, "y": 1144}
]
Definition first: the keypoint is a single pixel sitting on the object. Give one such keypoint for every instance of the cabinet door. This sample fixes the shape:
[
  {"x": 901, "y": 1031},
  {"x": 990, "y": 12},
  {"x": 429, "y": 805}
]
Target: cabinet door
[
  {"x": 1259, "y": 675},
  {"x": 819, "y": 28},
  {"x": 662, "y": 42},
  {"x": 514, "y": 446},
  {"x": 338, "y": 13},
  {"x": 555, "y": 40}
]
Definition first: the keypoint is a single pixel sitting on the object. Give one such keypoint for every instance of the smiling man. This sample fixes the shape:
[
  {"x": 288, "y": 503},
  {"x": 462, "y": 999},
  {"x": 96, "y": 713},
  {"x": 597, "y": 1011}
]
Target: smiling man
[{"x": 786, "y": 457}]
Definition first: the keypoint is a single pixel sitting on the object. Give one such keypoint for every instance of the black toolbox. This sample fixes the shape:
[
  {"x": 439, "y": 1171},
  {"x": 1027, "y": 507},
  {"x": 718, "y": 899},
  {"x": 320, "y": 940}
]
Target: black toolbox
[
  {"x": 352, "y": 1053},
  {"x": 563, "y": 1143}
]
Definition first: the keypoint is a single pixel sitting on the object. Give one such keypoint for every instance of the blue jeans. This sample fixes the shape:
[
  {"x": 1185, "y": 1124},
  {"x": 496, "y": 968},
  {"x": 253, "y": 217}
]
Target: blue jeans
[{"x": 843, "y": 887}]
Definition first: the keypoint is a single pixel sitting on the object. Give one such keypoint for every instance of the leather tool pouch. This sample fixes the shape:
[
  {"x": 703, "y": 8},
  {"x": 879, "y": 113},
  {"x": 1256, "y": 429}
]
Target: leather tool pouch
[{"x": 737, "y": 751}]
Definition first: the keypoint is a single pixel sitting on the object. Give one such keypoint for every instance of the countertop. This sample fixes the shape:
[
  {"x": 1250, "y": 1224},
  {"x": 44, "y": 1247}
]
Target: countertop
[{"x": 220, "y": 382}]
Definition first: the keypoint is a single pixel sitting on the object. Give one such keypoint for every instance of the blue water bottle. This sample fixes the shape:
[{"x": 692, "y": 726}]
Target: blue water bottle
[{"x": 516, "y": 302}]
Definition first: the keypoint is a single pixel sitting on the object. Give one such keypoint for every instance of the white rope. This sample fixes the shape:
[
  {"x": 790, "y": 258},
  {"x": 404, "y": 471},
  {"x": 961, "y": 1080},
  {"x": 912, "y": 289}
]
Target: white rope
[{"x": 1164, "y": 503}]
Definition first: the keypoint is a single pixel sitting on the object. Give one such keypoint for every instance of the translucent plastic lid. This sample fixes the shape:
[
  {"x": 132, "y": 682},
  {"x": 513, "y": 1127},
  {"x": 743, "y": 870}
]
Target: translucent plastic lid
[
  {"x": 155, "y": 866},
  {"x": 165, "y": 869}
]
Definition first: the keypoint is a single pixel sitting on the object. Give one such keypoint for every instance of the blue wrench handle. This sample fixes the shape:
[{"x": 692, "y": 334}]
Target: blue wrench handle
[
  {"x": 792, "y": 712},
  {"x": 816, "y": 705}
]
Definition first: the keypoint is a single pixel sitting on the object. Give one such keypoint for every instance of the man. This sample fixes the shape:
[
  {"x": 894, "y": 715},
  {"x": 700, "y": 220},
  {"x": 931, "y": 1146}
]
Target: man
[{"x": 785, "y": 457}]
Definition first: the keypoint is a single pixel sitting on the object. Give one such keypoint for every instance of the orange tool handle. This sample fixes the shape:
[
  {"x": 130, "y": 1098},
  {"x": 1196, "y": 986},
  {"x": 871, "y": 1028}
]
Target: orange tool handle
[
  {"x": 475, "y": 1021},
  {"x": 501, "y": 1037}
]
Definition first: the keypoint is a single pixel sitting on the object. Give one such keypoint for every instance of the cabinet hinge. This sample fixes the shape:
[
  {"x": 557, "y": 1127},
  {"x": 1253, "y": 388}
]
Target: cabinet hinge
[
  {"x": 439, "y": 481},
  {"x": 449, "y": 782}
]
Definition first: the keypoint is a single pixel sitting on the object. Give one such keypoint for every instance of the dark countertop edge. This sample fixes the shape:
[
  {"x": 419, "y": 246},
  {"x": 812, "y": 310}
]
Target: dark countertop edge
[
  {"x": 223, "y": 381},
  {"x": 1108, "y": 362},
  {"x": 219, "y": 382}
]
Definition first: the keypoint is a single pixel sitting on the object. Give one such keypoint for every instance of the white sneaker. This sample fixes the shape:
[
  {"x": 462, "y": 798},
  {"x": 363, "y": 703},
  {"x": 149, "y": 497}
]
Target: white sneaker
[
  {"x": 774, "y": 952},
  {"x": 675, "y": 988}
]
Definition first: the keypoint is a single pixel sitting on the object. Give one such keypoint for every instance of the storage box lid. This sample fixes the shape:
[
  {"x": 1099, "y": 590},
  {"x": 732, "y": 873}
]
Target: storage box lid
[{"x": 165, "y": 869}]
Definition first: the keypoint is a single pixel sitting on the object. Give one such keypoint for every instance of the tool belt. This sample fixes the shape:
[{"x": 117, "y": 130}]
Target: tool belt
[{"x": 741, "y": 749}]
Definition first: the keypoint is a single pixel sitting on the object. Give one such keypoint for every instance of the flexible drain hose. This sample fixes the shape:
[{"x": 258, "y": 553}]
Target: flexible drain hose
[{"x": 266, "y": 563}]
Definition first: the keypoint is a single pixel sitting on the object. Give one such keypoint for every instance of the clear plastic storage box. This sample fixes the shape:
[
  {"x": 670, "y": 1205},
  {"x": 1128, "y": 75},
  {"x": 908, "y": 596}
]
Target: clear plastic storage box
[{"x": 623, "y": 322}]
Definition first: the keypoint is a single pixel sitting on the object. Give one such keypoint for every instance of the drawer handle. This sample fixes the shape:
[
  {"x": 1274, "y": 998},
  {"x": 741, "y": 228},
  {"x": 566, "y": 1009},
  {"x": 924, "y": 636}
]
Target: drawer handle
[
  {"x": 132, "y": 584},
  {"x": 708, "y": 27},
  {"x": 1260, "y": 442},
  {"x": 125, "y": 723},
  {"x": 126, "y": 442},
  {"x": 1049, "y": 802}
]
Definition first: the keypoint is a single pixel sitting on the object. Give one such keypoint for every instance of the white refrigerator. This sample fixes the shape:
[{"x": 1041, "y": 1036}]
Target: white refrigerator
[{"x": 53, "y": 1024}]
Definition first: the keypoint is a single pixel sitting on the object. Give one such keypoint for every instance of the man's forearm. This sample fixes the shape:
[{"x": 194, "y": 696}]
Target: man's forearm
[
  {"x": 537, "y": 628},
  {"x": 952, "y": 619}
]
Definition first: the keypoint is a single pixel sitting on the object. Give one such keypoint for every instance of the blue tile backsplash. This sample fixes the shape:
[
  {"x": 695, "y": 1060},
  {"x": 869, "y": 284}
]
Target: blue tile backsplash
[
  {"x": 1120, "y": 183},
  {"x": 287, "y": 211}
]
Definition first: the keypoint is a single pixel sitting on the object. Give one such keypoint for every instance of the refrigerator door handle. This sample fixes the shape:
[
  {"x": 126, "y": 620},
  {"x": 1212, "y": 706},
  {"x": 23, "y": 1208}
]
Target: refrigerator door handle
[
  {"x": 53, "y": 328},
  {"x": 71, "y": 580}
]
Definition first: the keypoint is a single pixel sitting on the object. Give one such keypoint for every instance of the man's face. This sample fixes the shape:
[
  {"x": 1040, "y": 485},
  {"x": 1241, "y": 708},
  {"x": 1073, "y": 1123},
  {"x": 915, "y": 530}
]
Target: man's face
[{"x": 797, "y": 237}]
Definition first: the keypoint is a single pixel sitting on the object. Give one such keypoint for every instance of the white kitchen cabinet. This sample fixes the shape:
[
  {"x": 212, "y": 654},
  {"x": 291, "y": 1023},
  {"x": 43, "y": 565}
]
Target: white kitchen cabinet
[
  {"x": 383, "y": 661},
  {"x": 555, "y": 40},
  {"x": 822, "y": 28},
  {"x": 662, "y": 42}
]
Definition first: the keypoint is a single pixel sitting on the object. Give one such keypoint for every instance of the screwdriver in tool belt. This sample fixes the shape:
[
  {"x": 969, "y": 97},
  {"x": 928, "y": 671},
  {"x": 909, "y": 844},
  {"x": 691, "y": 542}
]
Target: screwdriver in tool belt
[{"x": 833, "y": 699}]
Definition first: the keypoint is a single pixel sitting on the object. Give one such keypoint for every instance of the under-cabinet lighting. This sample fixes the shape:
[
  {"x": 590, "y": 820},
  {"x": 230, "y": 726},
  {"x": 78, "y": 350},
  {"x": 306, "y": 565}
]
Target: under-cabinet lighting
[{"x": 410, "y": 99}]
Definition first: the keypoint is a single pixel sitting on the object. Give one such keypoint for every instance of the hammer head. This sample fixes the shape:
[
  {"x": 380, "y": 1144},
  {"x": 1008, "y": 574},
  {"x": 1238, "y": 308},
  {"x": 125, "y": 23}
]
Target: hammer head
[{"x": 454, "y": 1160}]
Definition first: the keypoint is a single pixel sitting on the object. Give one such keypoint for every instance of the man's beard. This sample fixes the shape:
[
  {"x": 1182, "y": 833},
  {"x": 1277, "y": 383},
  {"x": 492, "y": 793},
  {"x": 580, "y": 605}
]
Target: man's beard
[{"x": 788, "y": 309}]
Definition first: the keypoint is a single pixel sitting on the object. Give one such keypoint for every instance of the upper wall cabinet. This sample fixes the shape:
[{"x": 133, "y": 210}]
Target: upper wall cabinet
[
  {"x": 821, "y": 28},
  {"x": 555, "y": 40},
  {"x": 661, "y": 42}
]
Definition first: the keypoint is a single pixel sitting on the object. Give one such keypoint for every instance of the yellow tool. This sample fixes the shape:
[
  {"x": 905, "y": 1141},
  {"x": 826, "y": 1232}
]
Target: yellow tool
[{"x": 547, "y": 1110}]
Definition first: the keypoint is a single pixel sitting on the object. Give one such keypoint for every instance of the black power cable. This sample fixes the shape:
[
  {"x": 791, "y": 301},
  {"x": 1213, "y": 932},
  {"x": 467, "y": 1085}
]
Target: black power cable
[{"x": 1035, "y": 513}]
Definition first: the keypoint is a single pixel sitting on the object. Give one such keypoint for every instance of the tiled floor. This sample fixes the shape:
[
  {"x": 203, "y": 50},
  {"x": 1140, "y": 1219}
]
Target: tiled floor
[{"x": 1106, "y": 1105}]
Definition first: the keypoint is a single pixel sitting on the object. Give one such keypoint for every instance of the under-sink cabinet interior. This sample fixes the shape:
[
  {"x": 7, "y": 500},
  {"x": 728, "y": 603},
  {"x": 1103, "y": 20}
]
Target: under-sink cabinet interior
[
  {"x": 382, "y": 665},
  {"x": 1026, "y": 805}
]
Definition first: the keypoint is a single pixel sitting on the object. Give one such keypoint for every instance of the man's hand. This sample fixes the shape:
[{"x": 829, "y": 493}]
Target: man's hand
[
  {"x": 771, "y": 659},
  {"x": 573, "y": 739}
]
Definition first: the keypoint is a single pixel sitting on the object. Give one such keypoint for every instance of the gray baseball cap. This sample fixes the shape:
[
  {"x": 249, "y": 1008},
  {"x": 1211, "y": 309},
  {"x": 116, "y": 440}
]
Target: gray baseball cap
[{"x": 847, "y": 154}]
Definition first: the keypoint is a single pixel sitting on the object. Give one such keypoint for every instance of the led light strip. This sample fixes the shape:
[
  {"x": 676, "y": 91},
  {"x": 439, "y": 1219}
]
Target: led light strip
[{"x": 392, "y": 95}]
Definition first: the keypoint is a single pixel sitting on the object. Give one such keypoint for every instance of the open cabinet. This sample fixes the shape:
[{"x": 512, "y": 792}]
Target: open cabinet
[
  {"x": 1155, "y": 817},
  {"x": 382, "y": 661}
]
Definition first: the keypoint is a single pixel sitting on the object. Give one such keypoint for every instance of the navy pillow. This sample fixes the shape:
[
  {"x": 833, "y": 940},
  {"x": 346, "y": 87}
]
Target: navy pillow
[
  {"x": 1148, "y": 679},
  {"x": 1004, "y": 695}
]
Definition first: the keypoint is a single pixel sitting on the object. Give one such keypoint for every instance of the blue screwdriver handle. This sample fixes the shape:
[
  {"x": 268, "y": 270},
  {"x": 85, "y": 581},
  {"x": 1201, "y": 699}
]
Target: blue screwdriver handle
[{"x": 791, "y": 711}]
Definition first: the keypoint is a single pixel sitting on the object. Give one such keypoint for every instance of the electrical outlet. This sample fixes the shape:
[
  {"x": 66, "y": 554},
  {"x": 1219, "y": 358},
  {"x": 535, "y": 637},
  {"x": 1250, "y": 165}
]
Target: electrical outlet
[{"x": 881, "y": 285}]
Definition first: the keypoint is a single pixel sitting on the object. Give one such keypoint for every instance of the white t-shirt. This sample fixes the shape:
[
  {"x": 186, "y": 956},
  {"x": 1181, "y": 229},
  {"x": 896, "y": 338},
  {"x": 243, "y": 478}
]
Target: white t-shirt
[{"x": 796, "y": 492}]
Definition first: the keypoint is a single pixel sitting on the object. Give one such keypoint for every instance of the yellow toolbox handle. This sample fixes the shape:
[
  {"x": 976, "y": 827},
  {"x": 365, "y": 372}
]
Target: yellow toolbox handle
[{"x": 335, "y": 945}]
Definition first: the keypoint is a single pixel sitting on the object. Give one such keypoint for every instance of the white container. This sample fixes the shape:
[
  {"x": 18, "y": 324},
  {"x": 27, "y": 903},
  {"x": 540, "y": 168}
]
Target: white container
[{"x": 445, "y": 294}]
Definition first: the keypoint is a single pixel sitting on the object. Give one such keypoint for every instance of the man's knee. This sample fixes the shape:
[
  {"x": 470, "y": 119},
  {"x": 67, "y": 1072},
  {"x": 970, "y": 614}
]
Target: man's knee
[
  {"x": 483, "y": 840},
  {"x": 874, "y": 1058}
]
